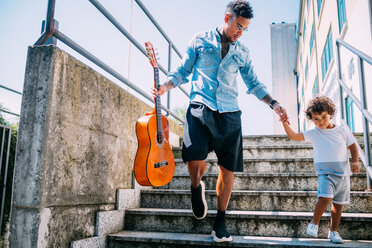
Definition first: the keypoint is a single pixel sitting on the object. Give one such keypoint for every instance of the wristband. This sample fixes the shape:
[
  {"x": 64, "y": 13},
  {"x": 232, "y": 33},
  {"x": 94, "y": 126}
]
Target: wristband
[{"x": 272, "y": 103}]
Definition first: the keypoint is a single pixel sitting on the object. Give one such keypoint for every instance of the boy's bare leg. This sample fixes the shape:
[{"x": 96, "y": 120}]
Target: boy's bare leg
[
  {"x": 196, "y": 171},
  {"x": 225, "y": 183},
  {"x": 336, "y": 212},
  {"x": 320, "y": 206}
]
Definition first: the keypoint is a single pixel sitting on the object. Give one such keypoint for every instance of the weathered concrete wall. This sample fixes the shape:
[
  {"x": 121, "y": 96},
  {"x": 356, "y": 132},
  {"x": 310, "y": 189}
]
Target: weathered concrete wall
[{"x": 76, "y": 146}]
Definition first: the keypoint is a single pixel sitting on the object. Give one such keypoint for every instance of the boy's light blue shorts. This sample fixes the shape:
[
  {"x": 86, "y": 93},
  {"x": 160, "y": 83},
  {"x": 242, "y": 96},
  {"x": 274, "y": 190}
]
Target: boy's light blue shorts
[{"x": 335, "y": 187}]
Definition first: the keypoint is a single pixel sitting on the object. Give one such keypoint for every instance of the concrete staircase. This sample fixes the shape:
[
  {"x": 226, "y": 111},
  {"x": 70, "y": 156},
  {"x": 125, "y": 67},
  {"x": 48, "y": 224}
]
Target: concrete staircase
[{"x": 271, "y": 204}]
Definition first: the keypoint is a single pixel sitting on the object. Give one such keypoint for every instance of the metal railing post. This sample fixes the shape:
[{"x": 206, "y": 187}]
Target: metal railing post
[
  {"x": 363, "y": 99},
  {"x": 342, "y": 108},
  {"x": 169, "y": 68},
  {"x": 49, "y": 27},
  {"x": 362, "y": 104}
]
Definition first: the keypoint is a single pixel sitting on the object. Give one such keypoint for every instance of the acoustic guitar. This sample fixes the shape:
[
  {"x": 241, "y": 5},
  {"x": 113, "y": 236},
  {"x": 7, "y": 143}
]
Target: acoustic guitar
[{"x": 154, "y": 163}]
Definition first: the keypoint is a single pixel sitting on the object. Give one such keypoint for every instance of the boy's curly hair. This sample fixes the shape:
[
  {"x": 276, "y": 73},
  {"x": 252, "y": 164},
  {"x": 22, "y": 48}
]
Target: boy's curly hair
[
  {"x": 240, "y": 8},
  {"x": 320, "y": 104}
]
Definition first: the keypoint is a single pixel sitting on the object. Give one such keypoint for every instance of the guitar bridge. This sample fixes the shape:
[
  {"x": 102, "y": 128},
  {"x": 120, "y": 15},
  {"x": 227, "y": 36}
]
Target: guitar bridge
[{"x": 161, "y": 164}]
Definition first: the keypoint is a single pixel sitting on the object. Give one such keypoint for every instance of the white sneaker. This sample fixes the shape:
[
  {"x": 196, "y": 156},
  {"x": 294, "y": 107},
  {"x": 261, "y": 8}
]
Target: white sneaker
[
  {"x": 312, "y": 230},
  {"x": 335, "y": 237}
]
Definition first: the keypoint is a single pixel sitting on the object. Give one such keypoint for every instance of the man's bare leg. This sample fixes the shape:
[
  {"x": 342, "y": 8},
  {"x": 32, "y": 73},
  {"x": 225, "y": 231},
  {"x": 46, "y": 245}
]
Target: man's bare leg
[
  {"x": 199, "y": 205},
  {"x": 225, "y": 183},
  {"x": 196, "y": 171}
]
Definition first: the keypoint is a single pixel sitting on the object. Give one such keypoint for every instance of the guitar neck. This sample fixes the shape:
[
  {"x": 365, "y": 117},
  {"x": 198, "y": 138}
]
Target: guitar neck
[{"x": 157, "y": 101}]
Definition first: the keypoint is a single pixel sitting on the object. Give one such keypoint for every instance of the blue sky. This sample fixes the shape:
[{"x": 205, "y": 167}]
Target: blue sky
[{"x": 20, "y": 27}]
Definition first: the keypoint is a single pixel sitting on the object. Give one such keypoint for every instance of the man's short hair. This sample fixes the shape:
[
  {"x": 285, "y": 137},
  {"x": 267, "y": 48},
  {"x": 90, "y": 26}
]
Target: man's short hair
[{"x": 239, "y": 8}]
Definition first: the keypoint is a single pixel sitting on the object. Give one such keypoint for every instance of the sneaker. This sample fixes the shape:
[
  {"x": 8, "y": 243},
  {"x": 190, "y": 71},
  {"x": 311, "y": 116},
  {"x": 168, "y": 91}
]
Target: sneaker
[
  {"x": 312, "y": 230},
  {"x": 335, "y": 237},
  {"x": 198, "y": 204},
  {"x": 219, "y": 232}
]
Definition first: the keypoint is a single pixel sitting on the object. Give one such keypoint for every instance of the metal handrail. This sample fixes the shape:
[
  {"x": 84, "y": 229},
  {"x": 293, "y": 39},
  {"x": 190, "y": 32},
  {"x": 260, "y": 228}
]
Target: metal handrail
[
  {"x": 362, "y": 104},
  {"x": 131, "y": 38},
  {"x": 50, "y": 30},
  {"x": 14, "y": 91},
  {"x": 6, "y": 111}
]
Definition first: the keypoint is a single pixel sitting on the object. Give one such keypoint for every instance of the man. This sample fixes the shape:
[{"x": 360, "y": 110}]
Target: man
[{"x": 213, "y": 117}]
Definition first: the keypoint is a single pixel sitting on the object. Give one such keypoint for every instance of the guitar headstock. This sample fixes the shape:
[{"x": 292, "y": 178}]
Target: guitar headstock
[{"x": 151, "y": 54}]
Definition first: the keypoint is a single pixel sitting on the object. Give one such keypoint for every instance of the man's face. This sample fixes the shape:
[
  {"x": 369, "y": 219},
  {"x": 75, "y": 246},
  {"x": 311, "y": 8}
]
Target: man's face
[{"x": 234, "y": 26}]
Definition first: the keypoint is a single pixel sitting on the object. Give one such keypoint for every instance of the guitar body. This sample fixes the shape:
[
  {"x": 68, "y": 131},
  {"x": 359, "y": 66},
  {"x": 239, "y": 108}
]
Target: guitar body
[{"x": 154, "y": 163}]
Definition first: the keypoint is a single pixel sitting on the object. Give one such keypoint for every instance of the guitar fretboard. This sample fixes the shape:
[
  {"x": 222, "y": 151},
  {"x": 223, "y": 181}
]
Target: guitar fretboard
[{"x": 159, "y": 121}]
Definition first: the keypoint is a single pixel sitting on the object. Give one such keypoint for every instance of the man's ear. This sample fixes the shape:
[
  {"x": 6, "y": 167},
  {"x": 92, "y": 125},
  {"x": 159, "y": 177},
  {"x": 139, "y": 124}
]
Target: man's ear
[{"x": 227, "y": 18}]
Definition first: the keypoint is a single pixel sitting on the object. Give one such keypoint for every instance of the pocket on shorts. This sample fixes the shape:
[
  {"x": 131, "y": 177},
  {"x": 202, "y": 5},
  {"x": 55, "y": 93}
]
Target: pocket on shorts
[{"x": 197, "y": 110}]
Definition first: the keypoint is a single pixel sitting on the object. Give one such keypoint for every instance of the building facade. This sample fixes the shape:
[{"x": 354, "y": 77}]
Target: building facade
[
  {"x": 283, "y": 60},
  {"x": 320, "y": 24}
]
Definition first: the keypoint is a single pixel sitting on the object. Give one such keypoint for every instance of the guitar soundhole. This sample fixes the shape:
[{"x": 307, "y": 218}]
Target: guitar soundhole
[
  {"x": 161, "y": 164},
  {"x": 160, "y": 137}
]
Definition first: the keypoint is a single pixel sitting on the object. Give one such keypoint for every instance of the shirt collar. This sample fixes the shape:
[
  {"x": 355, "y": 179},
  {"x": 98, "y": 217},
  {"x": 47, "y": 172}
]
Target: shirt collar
[{"x": 218, "y": 35}]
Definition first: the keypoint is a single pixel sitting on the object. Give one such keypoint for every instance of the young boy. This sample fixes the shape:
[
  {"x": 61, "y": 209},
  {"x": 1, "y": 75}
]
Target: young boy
[{"x": 330, "y": 143}]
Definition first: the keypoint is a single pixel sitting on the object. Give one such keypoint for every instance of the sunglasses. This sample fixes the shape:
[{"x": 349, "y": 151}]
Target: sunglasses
[{"x": 240, "y": 28}]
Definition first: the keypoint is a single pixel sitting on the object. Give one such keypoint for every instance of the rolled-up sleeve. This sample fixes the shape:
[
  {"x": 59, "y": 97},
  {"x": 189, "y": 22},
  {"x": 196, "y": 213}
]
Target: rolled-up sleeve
[
  {"x": 179, "y": 76},
  {"x": 250, "y": 79}
]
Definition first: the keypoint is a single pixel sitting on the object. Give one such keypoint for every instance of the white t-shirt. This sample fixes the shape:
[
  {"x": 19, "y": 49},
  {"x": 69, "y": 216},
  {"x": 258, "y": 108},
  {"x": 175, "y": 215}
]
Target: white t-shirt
[{"x": 330, "y": 149}]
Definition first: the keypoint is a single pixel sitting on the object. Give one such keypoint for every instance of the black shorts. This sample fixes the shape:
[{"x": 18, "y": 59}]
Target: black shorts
[{"x": 206, "y": 130}]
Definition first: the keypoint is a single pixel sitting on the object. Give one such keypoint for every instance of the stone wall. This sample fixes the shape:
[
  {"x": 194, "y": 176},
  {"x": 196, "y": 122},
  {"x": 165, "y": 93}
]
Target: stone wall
[{"x": 76, "y": 147}]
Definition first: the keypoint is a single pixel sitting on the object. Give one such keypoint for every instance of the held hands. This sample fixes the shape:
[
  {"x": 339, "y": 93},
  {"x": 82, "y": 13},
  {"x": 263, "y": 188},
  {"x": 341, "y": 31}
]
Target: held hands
[
  {"x": 355, "y": 167},
  {"x": 282, "y": 113}
]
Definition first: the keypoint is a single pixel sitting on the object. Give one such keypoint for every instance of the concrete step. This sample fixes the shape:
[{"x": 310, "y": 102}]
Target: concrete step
[
  {"x": 293, "y": 201},
  {"x": 258, "y": 165},
  {"x": 278, "y": 140},
  {"x": 267, "y": 181},
  {"x": 354, "y": 226},
  {"x": 257, "y": 151},
  {"x": 261, "y": 165},
  {"x": 181, "y": 240}
]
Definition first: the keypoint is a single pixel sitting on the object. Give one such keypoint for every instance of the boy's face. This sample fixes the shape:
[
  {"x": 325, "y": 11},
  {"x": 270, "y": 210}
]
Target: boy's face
[
  {"x": 234, "y": 26},
  {"x": 322, "y": 120}
]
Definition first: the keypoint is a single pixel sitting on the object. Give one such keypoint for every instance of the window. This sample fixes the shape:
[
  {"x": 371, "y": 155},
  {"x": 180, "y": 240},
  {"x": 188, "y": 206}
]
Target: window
[
  {"x": 312, "y": 39},
  {"x": 307, "y": 3},
  {"x": 327, "y": 54},
  {"x": 319, "y": 6},
  {"x": 349, "y": 113},
  {"x": 306, "y": 69},
  {"x": 303, "y": 33},
  {"x": 315, "y": 87},
  {"x": 303, "y": 92},
  {"x": 341, "y": 10}
]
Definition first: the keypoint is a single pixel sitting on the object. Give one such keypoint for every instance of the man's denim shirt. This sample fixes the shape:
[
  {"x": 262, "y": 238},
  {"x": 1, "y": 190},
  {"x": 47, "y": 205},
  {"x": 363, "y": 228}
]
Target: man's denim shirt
[{"x": 214, "y": 79}]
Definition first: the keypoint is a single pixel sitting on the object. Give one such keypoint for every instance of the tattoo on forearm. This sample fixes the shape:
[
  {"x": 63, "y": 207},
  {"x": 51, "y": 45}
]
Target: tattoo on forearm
[{"x": 267, "y": 99}]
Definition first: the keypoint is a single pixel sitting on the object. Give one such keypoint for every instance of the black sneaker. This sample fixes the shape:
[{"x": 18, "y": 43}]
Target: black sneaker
[
  {"x": 198, "y": 204},
  {"x": 219, "y": 232}
]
